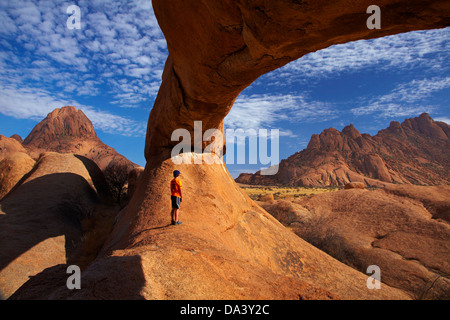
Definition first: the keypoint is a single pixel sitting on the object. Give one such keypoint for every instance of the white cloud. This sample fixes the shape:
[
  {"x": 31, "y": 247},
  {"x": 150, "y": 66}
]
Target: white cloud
[
  {"x": 119, "y": 39},
  {"x": 405, "y": 100},
  {"x": 443, "y": 119},
  {"x": 33, "y": 103},
  {"x": 398, "y": 51},
  {"x": 419, "y": 89},
  {"x": 263, "y": 111}
]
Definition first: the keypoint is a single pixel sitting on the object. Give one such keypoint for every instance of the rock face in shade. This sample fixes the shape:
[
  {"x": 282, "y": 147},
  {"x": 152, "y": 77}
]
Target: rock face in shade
[
  {"x": 68, "y": 130},
  {"x": 17, "y": 137},
  {"x": 414, "y": 152},
  {"x": 227, "y": 247},
  {"x": 40, "y": 220}
]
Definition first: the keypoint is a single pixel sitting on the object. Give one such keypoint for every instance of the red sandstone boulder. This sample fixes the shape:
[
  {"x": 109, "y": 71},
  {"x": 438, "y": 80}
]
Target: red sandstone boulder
[
  {"x": 9, "y": 146},
  {"x": 40, "y": 220},
  {"x": 12, "y": 169},
  {"x": 354, "y": 185},
  {"x": 228, "y": 247}
]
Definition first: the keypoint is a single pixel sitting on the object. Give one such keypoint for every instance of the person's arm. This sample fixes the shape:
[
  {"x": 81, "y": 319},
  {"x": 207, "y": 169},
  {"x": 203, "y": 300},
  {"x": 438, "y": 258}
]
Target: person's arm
[{"x": 181, "y": 194}]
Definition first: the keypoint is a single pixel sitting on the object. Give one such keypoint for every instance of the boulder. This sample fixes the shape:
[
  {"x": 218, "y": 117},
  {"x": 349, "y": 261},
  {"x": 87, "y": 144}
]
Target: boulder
[
  {"x": 354, "y": 185},
  {"x": 228, "y": 247},
  {"x": 12, "y": 169},
  {"x": 267, "y": 197},
  {"x": 396, "y": 228},
  {"x": 40, "y": 220}
]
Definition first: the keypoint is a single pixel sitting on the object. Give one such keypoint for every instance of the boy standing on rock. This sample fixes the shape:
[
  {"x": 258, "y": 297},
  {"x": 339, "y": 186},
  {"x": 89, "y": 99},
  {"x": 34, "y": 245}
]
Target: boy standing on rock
[{"x": 176, "y": 196}]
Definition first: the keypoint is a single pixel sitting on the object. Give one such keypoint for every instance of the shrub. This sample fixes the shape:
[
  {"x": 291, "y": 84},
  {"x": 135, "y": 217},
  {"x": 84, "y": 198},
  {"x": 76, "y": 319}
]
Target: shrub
[{"x": 116, "y": 176}]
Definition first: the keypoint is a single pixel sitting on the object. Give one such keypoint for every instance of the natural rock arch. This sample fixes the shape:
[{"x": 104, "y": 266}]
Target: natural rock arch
[
  {"x": 228, "y": 247},
  {"x": 218, "y": 48}
]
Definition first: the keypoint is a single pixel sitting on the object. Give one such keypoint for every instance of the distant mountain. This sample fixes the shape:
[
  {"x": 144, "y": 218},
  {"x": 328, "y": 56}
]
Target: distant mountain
[
  {"x": 414, "y": 152},
  {"x": 68, "y": 130}
]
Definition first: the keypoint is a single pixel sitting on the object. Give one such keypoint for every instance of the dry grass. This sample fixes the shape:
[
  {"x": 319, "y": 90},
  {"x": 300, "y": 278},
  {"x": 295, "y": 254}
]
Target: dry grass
[{"x": 257, "y": 192}]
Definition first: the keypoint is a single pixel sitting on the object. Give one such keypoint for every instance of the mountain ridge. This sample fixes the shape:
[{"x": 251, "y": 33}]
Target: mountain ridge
[{"x": 413, "y": 152}]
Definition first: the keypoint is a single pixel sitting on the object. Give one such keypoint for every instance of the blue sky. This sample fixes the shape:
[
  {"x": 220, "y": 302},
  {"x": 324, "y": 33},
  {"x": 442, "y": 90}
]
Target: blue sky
[{"x": 111, "y": 69}]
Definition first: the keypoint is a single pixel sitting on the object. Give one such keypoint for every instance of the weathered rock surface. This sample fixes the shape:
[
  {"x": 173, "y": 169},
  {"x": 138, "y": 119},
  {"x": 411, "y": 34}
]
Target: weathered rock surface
[
  {"x": 414, "y": 152},
  {"x": 17, "y": 137},
  {"x": 9, "y": 146},
  {"x": 217, "y": 49},
  {"x": 354, "y": 185},
  {"x": 228, "y": 247},
  {"x": 401, "y": 229},
  {"x": 14, "y": 163},
  {"x": 40, "y": 219},
  {"x": 12, "y": 169},
  {"x": 68, "y": 130}
]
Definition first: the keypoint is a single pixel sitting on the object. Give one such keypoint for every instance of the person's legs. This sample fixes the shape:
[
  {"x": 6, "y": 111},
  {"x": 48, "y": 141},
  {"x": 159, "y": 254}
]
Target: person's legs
[{"x": 174, "y": 213}]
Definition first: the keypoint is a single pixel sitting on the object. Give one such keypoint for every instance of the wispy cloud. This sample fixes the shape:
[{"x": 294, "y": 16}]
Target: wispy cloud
[
  {"x": 262, "y": 111},
  {"x": 402, "y": 51},
  {"x": 32, "y": 103},
  {"x": 119, "y": 39},
  {"x": 443, "y": 119},
  {"x": 405, "y": 100}
]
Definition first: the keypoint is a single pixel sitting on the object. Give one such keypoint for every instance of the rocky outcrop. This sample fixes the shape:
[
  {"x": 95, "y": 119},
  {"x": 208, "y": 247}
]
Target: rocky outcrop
[
  {"x": 17, "y": 137},
  {"x": 9, "y": 146},
  {"x": 61, "y": 124},
  {"x": 354, "y": 185},
  {"x": 12, "y": 169},
  {"x": 68, "y": 130},
  {"x": 228, "y": 247},
  {"x": 218, "y": 49},
  {"x": 40, "y": 221},
  {"x": 14, "y": 163},
  {"x": 414, "y": 152},
  {"x": 226, "y": 241},
  {"x": 134, "y": 177},
  {"x": 401, "y": 229}
]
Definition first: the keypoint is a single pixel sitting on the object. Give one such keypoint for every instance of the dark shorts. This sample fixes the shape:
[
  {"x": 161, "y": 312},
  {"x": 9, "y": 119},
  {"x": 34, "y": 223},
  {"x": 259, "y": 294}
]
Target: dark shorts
[{"x": 176, "y": 201}]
